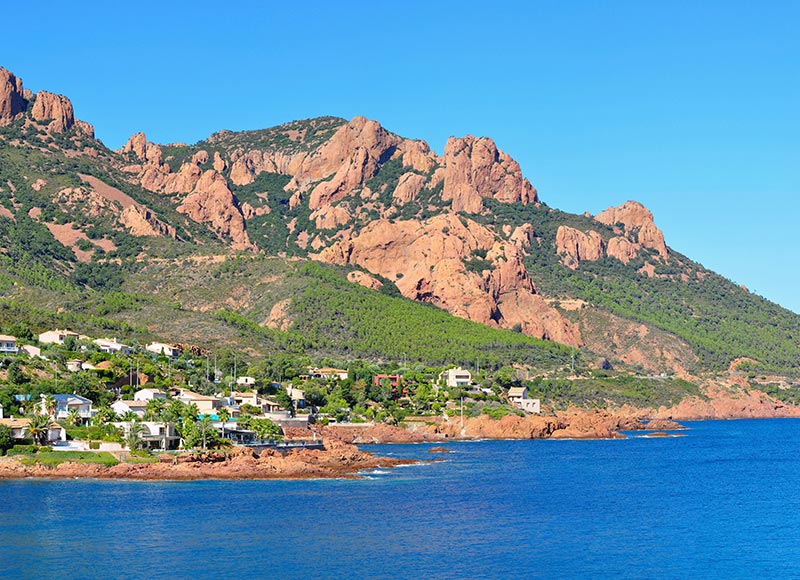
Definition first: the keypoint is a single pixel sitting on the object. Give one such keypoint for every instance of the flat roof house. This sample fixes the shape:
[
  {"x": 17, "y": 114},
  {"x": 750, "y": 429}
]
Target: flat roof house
[
  {"x": 167, "y": 350},
  {"x": 518, "y": 396},
  {"x": 8, "y": 344},
  {"x": 456, "y": 377},
  {"x": 111, "y": 346}
]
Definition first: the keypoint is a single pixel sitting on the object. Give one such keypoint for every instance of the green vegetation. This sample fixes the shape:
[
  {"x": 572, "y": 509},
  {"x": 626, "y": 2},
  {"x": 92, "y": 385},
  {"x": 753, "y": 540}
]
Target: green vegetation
[
  {"x": 332, "y": 314},
  {"x": 602, "y": 391},
  {"x": 55, "y": 458}
]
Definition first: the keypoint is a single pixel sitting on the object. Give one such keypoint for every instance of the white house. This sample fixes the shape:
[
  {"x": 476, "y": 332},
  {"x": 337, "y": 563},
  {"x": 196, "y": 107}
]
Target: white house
[
  {"x": 8, "y": 344},
  {"x": 456, "y": 377},
  {"x": 19, "y": 429},
  {"x": 245, "y": 398},
  {"x": 205, "y": 405},
  {"x": 518, "y": 396},
  {"x": 147, "y": 394},
  {"x": 329, "y": 373},
  {"x": 111, "y": 346},
  {"x": 165, "y": 349},
  {"x": 122, "y": 407},
  {"x": 154, "y": 435},
  {"x": 56, "y": 336},
  {"x": 66, "y": 403}
]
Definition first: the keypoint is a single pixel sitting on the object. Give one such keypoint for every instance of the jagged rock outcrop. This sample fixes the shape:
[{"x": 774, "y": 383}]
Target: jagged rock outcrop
[
  {"x": 54, "y": 108},
  {"x": 635, "y": 220},
  {"x": 475, "y": 168},
  {"x": 141, "y": 221},
  {"x": 358, "y": 277},
  {"x": 351, "y": 175},
  {"x": 359, "y": 145},
  {"x": 12, "y": 99},
  {"x": 426, "y": 261},
  {"x": 574, "y": 245},
  {"x": 212, "y": 202},
  {"x": 408, "y": 187},
  {"x": 146, "y": 152},
  {"x": 622, "y": 249}
]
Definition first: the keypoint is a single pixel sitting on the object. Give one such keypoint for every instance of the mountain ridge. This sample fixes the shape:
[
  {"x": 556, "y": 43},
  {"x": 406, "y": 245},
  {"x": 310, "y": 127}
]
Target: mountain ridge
[{"x": 464, "y": 230}]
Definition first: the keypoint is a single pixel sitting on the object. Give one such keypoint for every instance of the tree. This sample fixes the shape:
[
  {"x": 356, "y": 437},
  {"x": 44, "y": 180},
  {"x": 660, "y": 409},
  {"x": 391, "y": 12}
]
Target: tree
[
  {"x": 224, "y": 415},
  {"x": 49, "y": 403},
  {"x": 73, "y": 417},
  {"x": 129, "y": 416},
  {"x": 155, "y": 409},
  {"x": 6, "y": 440},
  {"x": 206, "y": 430},
  {"x": 38, "y": 428},
  {"x": 133, "y": 439},
  {"x": 105, "y": 415}
]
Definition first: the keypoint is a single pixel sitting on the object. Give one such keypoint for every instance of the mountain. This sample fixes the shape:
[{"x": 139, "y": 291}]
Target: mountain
[{"x": 225, "y": 233}]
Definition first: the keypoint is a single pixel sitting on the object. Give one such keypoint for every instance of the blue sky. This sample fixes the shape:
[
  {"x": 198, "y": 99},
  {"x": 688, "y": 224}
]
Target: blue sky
[{"x": 689, "y": 107}]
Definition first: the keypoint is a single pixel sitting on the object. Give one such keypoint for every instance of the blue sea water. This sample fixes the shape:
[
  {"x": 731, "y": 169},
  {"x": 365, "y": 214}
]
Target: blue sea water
[{"x": 721, "y": 502}]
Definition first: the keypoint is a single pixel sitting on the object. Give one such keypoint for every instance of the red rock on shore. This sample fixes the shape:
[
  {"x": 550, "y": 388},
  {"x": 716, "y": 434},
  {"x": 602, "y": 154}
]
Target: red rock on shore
[{"x": 338, "y": 459}]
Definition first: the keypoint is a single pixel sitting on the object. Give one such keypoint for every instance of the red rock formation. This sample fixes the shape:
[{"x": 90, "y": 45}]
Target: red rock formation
[
  {"x": 622, "y": 249},
  {"x": 140, "y": 221},
  {"x": 338, "y": 459},
  {"x": 426, "y": 261},
  {"x": 54, "y": 108},
  {"x": 146, "y": 152},
  {"x": 408, "y": 187},
  {"x": 355, "y": 147},
  {"x": 365, "y": 280},
  {"x": 574, "y": 245},
  {"x": 212, "y": 202},
  {"x": 475, "y": 168},
  {"x": 351, "y": 175},
  {"x": 636, "y": 220},
  {"x": 12, "y": 100}
]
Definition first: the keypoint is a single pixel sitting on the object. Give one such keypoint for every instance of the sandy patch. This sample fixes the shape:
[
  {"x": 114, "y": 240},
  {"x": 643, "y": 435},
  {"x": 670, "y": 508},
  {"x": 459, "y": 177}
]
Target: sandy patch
[
  {"x": 110, "y": 193},
  {"x": 69, "y": 237}
]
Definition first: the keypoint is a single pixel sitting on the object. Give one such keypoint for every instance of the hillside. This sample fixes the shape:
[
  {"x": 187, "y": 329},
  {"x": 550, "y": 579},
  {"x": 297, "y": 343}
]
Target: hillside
[{"x": 438, "y": 258}]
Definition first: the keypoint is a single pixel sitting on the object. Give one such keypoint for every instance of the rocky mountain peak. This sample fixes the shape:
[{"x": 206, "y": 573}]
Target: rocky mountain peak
[
  {"x": 12, "y": 99},
  {"x": 475, "y": 168},
  {"x": 635, "y": 219}
]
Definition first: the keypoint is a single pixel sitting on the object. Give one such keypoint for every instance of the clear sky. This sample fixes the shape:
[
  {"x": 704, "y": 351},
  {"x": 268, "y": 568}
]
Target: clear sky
[{"x": 691, "y": 107}]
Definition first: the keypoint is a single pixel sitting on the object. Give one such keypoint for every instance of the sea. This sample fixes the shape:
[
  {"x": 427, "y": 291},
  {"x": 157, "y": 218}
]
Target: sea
[{"x": 721, "y": 501}]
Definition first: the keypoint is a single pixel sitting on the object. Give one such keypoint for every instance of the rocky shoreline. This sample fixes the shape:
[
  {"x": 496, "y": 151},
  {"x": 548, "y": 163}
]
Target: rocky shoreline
[
  {"x": 337, "y": 460},
  {"x": 341, "y": 458}
]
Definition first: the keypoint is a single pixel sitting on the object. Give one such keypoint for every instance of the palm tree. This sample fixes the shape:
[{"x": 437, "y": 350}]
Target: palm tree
[
  {"x": 134, "y": 437},
  {"x": 38, "y": 428},
  {"x": 129, "y": 416},
  {"x": 73, "y": 417},
  {"x": 49, "y": 404},
  {"x": 205, "y": 426},
  {"x": 155, "y": 409},
  {"x": 224, "y": 415},
  {"x": 104, "y": 415}
]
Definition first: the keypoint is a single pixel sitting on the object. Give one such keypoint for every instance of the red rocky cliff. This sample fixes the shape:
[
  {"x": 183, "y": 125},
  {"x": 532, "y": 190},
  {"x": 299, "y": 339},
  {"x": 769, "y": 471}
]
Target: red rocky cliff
[{"x": 12, "y": 99}]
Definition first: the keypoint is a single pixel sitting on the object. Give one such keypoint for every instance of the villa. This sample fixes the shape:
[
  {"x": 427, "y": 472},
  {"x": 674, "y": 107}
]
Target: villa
[
  {"x": 456, "y": 377},
  {"x": 66, "y": 403},
  {"x": 8, "y": 344},
  {"x": 111, "y": 346},
  {"x": 518, "y": 396},
  {"x": 19, "y": 429}
]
